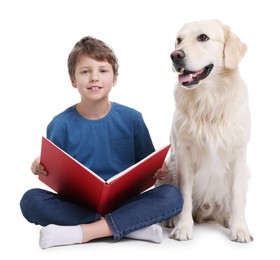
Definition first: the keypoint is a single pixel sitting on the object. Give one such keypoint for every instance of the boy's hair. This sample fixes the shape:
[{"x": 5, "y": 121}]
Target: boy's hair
[{"x": 94, "y": 48}]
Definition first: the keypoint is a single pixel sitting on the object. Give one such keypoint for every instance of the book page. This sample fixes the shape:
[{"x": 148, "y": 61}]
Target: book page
[
  {"x": 154, "y": 160},
  {"x": 66, "y": 154}
]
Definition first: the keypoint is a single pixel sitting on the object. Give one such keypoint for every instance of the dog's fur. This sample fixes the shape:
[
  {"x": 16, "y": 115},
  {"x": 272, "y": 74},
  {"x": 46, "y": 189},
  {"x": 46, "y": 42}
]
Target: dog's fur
[{"x": 210, "y": 130}]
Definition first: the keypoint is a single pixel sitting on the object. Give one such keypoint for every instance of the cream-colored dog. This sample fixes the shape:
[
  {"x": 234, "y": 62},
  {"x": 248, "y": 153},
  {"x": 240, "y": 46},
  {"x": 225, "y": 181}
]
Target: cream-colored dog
[{"x": 210, "y": 130}]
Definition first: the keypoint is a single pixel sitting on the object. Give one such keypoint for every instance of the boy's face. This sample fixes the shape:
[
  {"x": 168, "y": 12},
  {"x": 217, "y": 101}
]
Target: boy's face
[{"x": 93, "y": 79}]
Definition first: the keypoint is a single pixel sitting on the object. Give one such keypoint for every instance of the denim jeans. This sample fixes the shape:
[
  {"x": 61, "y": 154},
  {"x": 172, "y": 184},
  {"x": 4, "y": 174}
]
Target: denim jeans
[{"x": 43, "y": 207}]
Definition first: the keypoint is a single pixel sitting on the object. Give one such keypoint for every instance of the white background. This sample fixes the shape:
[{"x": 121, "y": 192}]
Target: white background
[{"x": 36, "y": 38}]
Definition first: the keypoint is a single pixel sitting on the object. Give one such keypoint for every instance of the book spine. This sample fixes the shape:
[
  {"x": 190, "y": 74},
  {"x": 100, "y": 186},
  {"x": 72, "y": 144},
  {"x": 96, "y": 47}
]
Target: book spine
[{"x": 103, "y": 205}]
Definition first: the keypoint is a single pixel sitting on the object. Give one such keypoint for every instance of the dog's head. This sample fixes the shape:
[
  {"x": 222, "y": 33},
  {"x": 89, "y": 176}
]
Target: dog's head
[{"x": 204, "y": 49}]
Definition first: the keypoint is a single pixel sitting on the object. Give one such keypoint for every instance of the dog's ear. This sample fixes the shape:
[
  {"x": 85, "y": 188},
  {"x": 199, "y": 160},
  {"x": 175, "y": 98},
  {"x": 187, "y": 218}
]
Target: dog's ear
[{"x": 234, "y": 49}]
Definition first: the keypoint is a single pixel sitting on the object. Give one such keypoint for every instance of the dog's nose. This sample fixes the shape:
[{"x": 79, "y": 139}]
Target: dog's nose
[{"x": 177, "y": 55}]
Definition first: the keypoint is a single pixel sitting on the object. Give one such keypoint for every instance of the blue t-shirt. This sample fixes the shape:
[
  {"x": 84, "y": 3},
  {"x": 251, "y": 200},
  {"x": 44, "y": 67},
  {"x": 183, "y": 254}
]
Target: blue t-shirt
[{"x": 108, "y": 145}]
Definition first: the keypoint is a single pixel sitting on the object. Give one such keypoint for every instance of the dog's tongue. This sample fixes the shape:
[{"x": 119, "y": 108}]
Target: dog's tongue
[
  {"x": 189, "y": 77},
  {"x": 185, "y": 78}
]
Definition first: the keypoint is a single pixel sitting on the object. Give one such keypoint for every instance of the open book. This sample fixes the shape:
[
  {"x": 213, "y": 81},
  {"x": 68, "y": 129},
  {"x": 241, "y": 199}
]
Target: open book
[{"x": 79, "y": 184}]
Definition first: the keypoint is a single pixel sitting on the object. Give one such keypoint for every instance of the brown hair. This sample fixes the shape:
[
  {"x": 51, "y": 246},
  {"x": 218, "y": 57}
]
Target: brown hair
[{"x": 94, "y": 48}]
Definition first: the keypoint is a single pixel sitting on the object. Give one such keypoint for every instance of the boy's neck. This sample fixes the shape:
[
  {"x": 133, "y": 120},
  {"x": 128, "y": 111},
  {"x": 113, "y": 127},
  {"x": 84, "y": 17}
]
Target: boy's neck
[{"x": 93, "y": 111}]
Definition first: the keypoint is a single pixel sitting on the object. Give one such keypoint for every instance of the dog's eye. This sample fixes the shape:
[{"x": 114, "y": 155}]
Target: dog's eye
[
  {"x": 202, "y": 38},
  {"x": 178, "y": 41}
]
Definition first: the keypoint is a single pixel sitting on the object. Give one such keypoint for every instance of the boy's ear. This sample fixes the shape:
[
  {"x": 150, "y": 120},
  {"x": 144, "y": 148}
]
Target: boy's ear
[
  {"x": 115, "y": 80},
  {"x": 73, "y": 83}
]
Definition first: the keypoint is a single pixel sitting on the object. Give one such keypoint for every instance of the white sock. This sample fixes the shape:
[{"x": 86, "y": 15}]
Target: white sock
[
  {"x": 53, "y": 235},
  {"x": 152, "y": 233}
]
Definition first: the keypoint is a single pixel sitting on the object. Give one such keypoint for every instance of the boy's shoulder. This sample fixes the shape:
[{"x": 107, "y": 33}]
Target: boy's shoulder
[
  {"x": 123, "y": 108},
  {"x": 68, "y": 112}
]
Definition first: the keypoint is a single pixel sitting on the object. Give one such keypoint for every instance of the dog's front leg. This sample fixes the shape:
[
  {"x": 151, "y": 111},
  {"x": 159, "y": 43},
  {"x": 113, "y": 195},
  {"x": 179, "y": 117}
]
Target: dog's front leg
[
  {"x": 238, "y": 227},
  {"x": 183, "y": 229}
]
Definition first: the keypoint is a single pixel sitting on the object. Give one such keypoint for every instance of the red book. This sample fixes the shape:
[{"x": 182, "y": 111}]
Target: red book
[{"x": 71, "y": 179}]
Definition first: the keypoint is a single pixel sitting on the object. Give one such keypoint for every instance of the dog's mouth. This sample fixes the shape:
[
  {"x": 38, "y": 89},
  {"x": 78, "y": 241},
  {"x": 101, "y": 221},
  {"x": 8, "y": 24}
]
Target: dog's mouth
[{"x": 188, "y": 78}]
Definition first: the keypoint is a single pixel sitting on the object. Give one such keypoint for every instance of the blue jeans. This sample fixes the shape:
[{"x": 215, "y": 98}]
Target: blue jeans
[{"x": 43, "y": 207}]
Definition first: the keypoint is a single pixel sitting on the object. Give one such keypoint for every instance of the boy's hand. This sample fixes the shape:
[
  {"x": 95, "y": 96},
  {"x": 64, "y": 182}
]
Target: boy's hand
[
  {"x": 162, "y": 173},
  {"x": 37, "y": 168}
]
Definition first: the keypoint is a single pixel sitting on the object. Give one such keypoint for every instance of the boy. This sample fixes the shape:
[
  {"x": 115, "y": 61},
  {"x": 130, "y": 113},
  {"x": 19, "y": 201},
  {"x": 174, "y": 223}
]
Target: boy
[{"x": 107, "y": 138}]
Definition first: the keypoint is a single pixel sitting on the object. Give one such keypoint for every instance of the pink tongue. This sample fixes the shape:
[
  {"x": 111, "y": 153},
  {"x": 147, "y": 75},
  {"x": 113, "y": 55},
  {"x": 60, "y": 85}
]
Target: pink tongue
[
  {"x": 189, "y": 77},
  {"x": 185, "y": 78}
]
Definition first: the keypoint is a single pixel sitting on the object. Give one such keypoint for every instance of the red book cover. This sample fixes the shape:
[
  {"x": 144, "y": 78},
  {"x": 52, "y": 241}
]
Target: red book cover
[{"x": 76, "y": 182}]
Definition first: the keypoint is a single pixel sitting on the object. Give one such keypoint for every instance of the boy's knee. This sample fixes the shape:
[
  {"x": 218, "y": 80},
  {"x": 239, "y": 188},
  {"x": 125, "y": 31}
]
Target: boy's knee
[
  {"x": 172, "y": 195},
  {"x": 27, "y": 201}
]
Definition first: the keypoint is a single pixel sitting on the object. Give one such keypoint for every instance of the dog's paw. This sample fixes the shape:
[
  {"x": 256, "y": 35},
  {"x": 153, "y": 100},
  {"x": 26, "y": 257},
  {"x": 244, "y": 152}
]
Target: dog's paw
[
  {"x": 241, "y": 235},
  {"x": 182, "y": 233}
]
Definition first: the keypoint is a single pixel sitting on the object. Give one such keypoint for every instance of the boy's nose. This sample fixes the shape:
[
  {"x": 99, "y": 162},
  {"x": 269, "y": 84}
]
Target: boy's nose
[{"x": 93, "y": 77}]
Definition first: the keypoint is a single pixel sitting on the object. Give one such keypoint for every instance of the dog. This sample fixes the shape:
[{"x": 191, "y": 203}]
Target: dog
[{"x": 210, "y": 130}]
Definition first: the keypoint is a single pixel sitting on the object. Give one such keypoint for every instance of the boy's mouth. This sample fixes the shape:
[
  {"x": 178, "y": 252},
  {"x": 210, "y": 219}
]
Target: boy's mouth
[{"x": 95, "y": 87}]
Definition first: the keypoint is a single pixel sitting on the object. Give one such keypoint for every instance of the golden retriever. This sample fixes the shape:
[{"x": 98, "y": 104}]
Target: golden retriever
[{"x": 210, "y": 130}]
